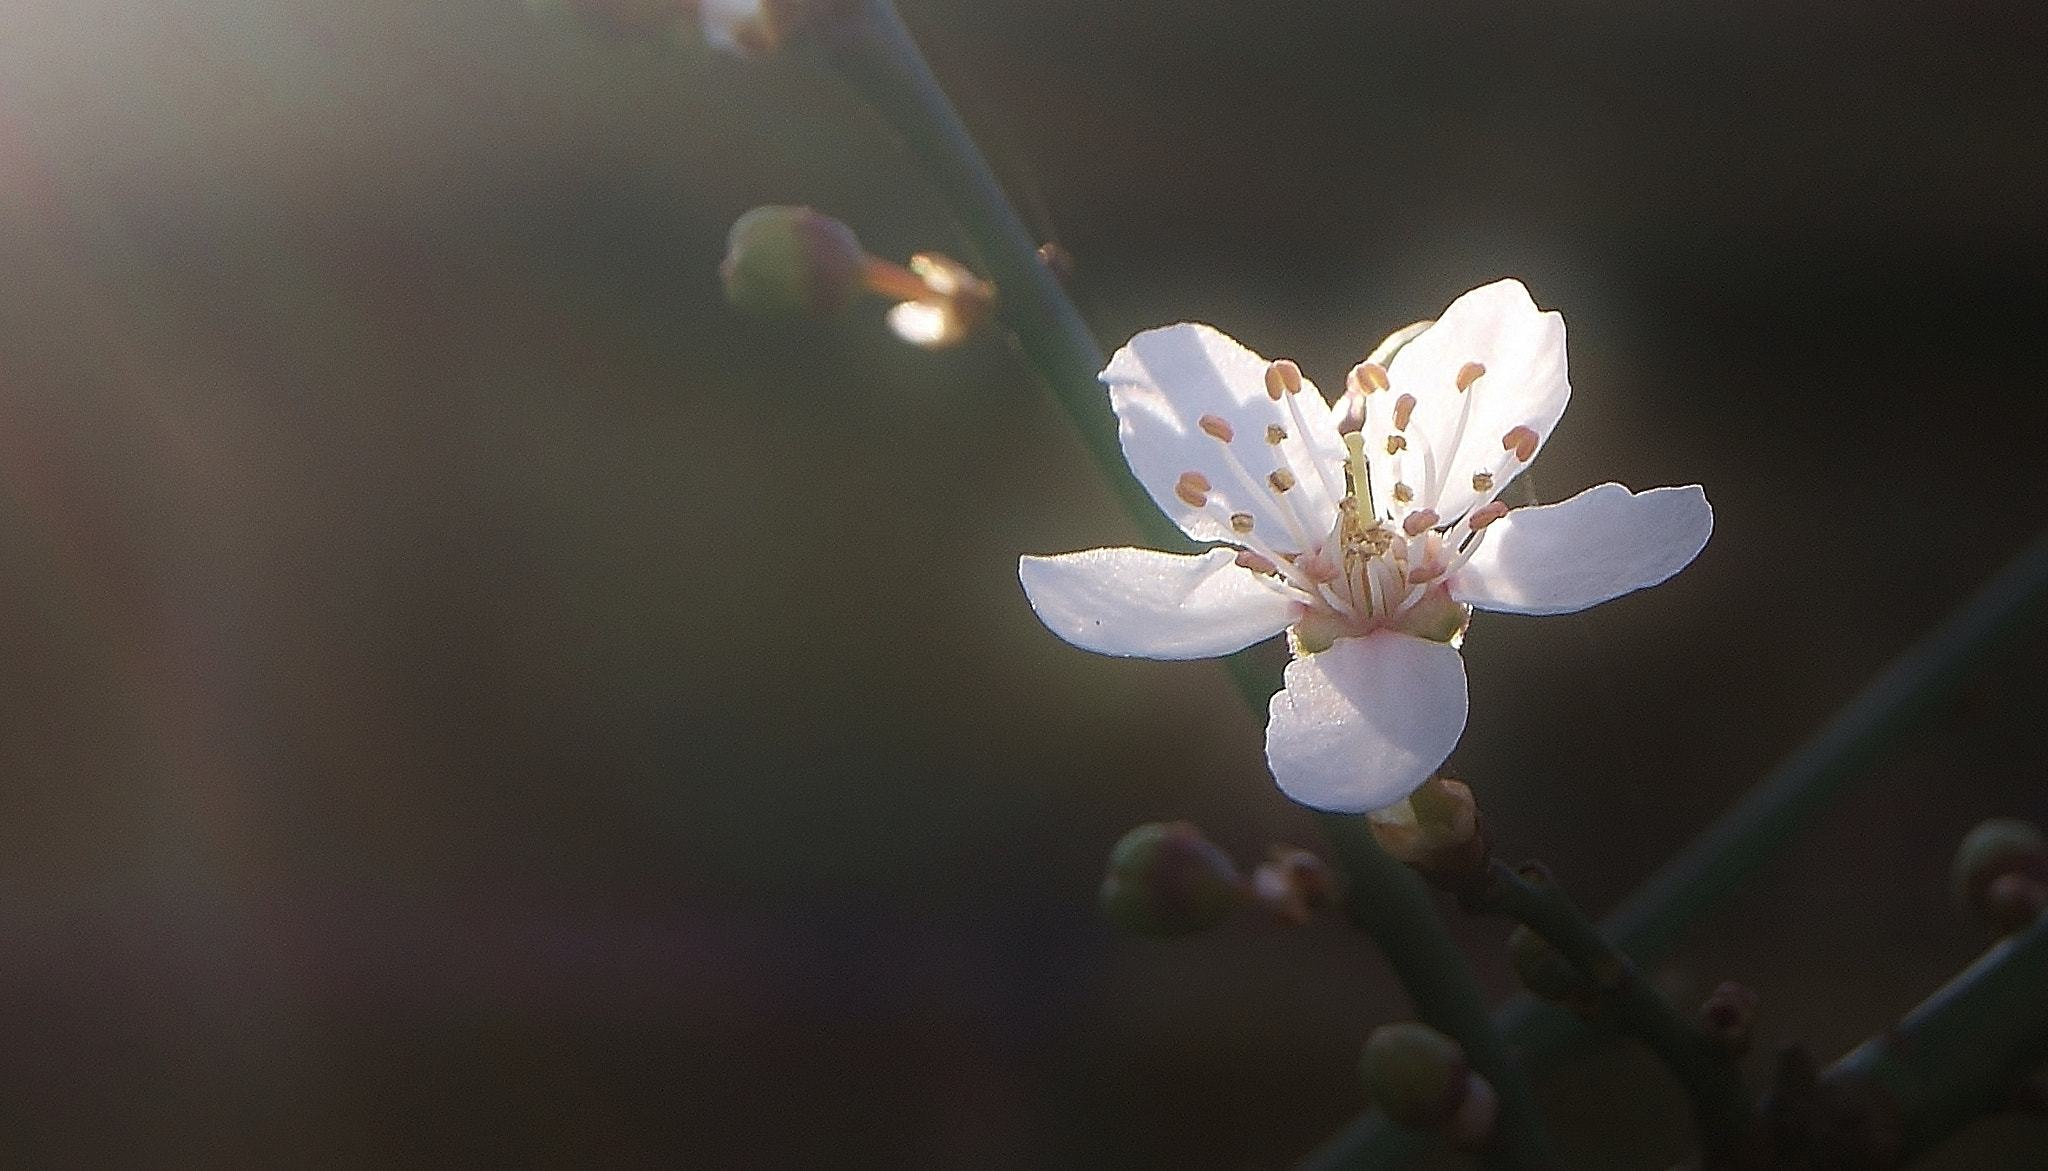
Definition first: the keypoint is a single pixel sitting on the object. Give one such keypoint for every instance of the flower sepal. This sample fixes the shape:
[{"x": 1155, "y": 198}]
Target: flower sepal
[{"x": 1438, "y": 832}]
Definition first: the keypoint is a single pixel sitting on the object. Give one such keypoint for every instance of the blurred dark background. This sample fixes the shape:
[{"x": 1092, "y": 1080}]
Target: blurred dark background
[{"x": 467, "y": 698}]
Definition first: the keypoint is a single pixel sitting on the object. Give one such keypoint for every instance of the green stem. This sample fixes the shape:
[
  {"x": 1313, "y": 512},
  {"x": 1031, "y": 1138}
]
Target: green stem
[
  {"x": 1706, "y": 1069},
  {"x": 1757, "y": 826},
  {"x": 1963, "y": 1050},
  {"x": 877, "y": 55},
  {"x": 1392, "y": 905}
]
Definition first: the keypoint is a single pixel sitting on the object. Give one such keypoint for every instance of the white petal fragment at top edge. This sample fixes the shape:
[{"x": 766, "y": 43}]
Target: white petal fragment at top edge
[{"x": 1370, "y": 549}]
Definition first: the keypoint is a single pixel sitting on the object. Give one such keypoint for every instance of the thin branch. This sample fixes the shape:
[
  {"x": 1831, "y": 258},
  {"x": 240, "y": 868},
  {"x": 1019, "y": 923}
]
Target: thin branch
[
  {"x": 1704, "y": 1067},
  {"x": 1962, "y": 1052}
]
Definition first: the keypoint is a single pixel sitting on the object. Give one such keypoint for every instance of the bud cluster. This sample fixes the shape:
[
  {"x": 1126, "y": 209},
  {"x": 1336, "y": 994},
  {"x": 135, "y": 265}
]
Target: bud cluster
[{"x": 1165, "y": 879}]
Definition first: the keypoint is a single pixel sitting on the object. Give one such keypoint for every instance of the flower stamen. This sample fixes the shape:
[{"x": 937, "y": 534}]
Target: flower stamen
[
  {"x": 1522, "y": 441},
  {"x": 1283, "y": 377},
  {"x": 1404, "y": 410},
  {"x": 1369, "y": 376},
  {"x": 1419, "y": 521}
]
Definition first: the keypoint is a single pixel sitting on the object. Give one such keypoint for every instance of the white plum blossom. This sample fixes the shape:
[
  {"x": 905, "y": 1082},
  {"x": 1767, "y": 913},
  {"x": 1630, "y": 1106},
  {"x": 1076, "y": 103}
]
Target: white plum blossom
[{"x": 1368, "y": 532}]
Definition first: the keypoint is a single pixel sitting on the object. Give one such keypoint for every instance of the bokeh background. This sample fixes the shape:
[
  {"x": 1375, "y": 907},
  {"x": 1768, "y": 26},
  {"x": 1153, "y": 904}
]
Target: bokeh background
[{"x": 467, "y": 698}]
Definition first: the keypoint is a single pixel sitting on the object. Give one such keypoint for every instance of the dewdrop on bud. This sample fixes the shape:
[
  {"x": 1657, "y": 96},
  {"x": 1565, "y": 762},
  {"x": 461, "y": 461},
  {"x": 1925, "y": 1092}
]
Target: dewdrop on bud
[
  {"x": 791, "y": 262},
  {"x": 1293, "y": 885},
  {"x": 1438, "y": 832},
  {"x": 2000, "y": 874},
  {"x": 1418, "y": 1078},
  {"x": 947, "y": 304},
  {"x": 1165, "y": 880}
]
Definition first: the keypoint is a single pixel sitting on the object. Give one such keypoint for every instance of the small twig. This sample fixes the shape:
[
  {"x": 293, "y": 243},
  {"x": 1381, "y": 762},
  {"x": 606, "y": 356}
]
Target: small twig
[{"x": 1703, "y": 1066}]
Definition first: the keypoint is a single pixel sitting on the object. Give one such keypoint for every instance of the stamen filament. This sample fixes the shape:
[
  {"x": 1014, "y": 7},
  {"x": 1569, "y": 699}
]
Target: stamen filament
[
  {"x": 1285, "y": 507},
  {"x": 1301, "y": 428}
]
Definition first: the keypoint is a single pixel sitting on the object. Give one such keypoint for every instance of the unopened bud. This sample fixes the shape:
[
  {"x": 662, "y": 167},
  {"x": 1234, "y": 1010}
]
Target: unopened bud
[
  {"x": 1165, "y": 879},
  {"x": 1293, "y": 885},
  {"x": 1438, "y": 832},
  {"x": 2001, "y": 873},
  {"x": 1418, "y": 1078},
  {"x": 791, "y": 262},
  {"x": 1545, "y": 972},
  {"x": 1729, "y": 1017}
]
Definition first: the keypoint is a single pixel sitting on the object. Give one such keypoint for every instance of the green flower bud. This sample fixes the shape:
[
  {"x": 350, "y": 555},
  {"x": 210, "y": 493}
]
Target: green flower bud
[
  {"x": 1419, "y": 1079},
  {"x": 2000, "y": 873},
  {"x": 791, "y": 262},
  {"x": 1165, "y": 879},
  {"x": 1545, "y": 972}
]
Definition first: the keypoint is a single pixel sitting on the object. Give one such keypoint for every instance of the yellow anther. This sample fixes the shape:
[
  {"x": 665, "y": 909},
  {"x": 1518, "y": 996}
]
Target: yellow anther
[
  {"x": 1216, "y": 427},
  {"x": 1419, "y": 522},
  {"x": 1282, "y": 377},
  {"x": 1396, "y": 443},
  {"x": 1522, "y": 441},
  {"x": 1404, "y": 410},
  {"x": 1481, "y": 517},
  {"x": 1482, "y": 481},
  {"x": 1276, "y": 434},
  {"x": 1240, "y": 523},
  {"x": 1193, "y": 489},
  {"x": 1468, "y": 374},
  {"x": 1281, "y": 480},
  {"x": 1370, "y": 375},
  {"x": 1403, "y": 493}
]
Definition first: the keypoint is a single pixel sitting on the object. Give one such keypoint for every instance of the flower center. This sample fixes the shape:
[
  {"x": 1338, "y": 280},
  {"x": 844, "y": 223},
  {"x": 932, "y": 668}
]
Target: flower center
[{"x": 1361, "y": 570}]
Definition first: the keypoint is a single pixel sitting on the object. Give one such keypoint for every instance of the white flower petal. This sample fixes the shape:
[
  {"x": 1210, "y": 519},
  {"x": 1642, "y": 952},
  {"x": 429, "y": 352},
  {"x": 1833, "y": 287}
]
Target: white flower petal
[
  {"x": 1453, "y": 435},
  {"x": 1600, "y": 544},
  {"x": 1363, "y": 723},
  {"x": 1154, "y": 605},
  {"x": 1166, "y": 380}
]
